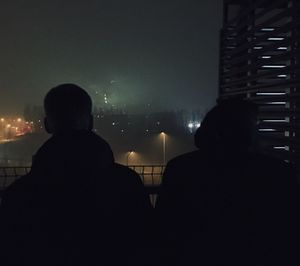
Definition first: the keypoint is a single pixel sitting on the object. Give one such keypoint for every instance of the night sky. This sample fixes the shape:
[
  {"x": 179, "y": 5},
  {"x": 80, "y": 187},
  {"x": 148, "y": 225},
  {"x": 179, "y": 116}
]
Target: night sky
[{"x": 162, "y": 52}]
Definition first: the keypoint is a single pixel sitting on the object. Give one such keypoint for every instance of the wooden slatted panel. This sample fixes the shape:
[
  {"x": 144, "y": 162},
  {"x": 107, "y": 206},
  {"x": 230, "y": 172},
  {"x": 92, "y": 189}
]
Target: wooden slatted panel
[{"x": 260, "y": 61}]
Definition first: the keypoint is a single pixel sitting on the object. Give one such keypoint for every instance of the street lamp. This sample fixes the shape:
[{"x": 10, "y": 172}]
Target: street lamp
[
  {"x": 127, "y": 157},
  {"x": 163, "y": 134}
]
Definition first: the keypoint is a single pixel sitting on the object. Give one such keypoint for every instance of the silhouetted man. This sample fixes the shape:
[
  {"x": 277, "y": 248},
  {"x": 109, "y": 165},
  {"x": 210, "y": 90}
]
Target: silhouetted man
[
  {"x": 76, "y": 206},
  {"x": 226, "y": 203}
]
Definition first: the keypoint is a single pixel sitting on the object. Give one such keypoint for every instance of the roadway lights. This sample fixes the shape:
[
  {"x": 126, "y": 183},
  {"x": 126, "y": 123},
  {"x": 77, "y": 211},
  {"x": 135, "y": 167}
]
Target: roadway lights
[
  {"x": 195, "y": 124},
  {"x": 163, "y": 134},
  {"x": 128, "y": 155}
]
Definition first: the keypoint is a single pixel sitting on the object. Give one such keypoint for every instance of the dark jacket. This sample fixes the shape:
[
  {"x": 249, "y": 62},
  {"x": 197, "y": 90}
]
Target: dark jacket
[
  {"x": 75, "y": 207},
  {"x": 235, "y": 210}
]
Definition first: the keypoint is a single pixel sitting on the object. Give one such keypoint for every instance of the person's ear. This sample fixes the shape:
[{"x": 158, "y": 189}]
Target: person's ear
[
  {"x": 48, "y": 126},
  {"x": 91, "y": 122}
]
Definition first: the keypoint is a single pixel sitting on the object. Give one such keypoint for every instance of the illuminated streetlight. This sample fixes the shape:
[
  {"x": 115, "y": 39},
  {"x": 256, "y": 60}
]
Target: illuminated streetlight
[
  {"x": 2, "y": 119},
  {"x": 163, "y": 134},
  {"x": 8, "y": 125},
  {"x": 19, "y": 119},
  {"x": 127, "y": 157}
]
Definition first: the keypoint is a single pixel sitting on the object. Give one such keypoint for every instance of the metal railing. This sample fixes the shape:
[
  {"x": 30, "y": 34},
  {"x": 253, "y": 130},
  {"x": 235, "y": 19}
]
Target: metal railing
[
  {"x": 151, "y": 176},
  {"x": 10, "y": 174}
]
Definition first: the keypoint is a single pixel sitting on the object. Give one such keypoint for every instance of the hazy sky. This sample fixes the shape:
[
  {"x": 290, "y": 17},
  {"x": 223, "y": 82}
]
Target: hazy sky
[{"x": 159, "y": 51}]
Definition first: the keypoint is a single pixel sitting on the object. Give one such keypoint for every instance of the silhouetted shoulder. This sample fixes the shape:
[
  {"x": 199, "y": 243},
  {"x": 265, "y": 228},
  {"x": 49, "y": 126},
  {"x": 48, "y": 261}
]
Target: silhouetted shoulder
[
  {"x": 130, "y": 185},
  {"x": 183, "y": 162},
  {"x": 133, "y": 218},
  {"x": 181, "y": 173},
  {"x": 126, "y": 174},
  {"x": 185, "y": 158}
]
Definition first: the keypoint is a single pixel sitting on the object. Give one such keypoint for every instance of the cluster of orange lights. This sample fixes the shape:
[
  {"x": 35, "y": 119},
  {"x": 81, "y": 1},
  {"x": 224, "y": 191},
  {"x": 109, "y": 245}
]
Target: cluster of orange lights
[{"x": 11, "y": 128}]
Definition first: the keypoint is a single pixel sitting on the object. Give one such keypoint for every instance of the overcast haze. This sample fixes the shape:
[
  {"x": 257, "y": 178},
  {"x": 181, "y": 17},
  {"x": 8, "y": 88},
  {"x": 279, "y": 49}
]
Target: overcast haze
[{"x": 164, "y": 52}]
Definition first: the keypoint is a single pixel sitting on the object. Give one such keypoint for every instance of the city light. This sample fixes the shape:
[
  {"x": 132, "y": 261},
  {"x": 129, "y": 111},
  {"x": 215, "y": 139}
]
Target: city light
[
  {"x": 130, "y": 153},
  {"x": 193, "y": 125},
  {"x": 10, "y": 128}
]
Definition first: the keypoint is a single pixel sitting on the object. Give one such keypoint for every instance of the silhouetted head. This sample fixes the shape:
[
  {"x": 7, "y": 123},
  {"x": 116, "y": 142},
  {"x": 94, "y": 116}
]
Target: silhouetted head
[
  {"x": 231, "y": 125},
  {"x": 68, "y": 107}
]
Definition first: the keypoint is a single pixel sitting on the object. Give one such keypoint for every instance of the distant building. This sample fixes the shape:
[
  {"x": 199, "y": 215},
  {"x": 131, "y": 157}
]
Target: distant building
[{"x": 260, "y": 60}]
